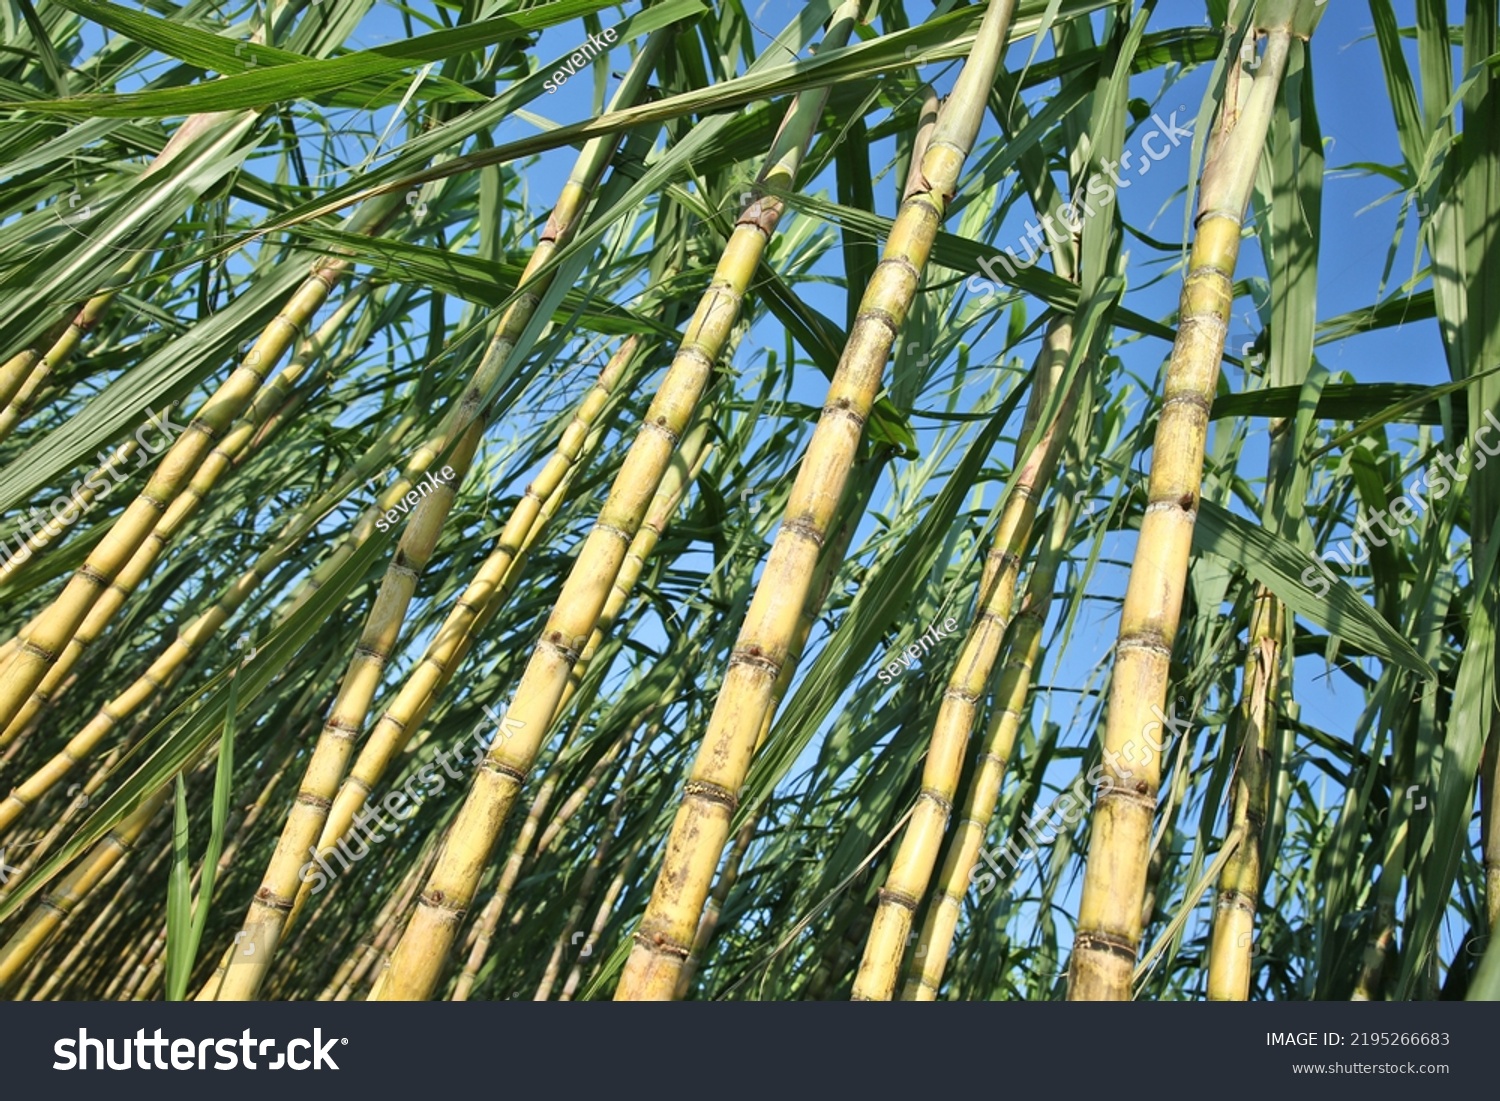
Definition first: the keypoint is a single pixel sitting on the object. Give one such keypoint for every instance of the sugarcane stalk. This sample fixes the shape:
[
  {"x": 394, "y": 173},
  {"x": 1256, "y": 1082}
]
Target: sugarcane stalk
[
  {"x": 93, "y": 943},
  {"x": 274, "y": 900},
  {"x": 214, "y": 466},
  {"x": 114, "y": 889},
  {"x": 683, "y": 470},
  {"x": 1110, "y": 920},
  {"x": 90, "y": 488},
  {"x": 330, "y": 759},
  {"x": 696, "y": 842},
  {"x": 1023, "y": 646},
  {"x": 829, "y": 565},
  {"x": 687, "y": 464},
  {"x": 912, "y": 866},
  {"x": 417, "y": 963},
  {"x": 153, "y": 963},
  {"x": 275, "y": 417},
  {"x": 1232, "y": 946},
  {"x": 480, "y": 600},
  {"x": 18, "y": 368},
  {"x": 44, "y": 919},
  {"x": 375, "y": 758},
  {"x": 489, "y": 918},
  {"x": 134, "y": 968},
  {"x": 68, "y": 967},
  {"x": 36, "y": 852},
  {"x": 270, "y": 420},
  {"x": 485, "y": 595},
  {"x": 47, "y": 636},
  {"x": 192, "y": 638},
  {"x": 352, "y": 796}
]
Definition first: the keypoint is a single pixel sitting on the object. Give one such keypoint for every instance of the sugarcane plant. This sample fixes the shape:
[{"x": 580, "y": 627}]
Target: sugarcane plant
[
  {"x": 1109, "y": 917},
  {"x": 644, "y": 522}
]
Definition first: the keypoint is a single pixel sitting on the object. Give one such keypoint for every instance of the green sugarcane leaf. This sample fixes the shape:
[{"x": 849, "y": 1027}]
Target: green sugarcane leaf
[
  {"x": 1370, "y": 404},
  {"x": 179, "y": 898},
  {"x": 256, "y": 75},
  {"x": 182, "y": 734},
  {"x": 1291, "y": 574},
  {"x": 219, "y": 817}
]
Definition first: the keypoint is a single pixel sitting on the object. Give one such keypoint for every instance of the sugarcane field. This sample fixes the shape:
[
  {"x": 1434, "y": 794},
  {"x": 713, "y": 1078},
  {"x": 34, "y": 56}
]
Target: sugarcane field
[{"x": 980, "y": 501}]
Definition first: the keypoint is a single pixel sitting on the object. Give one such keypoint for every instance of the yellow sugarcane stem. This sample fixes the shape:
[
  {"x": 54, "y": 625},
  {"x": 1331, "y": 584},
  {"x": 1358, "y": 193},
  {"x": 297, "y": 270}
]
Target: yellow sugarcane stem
[
  {"x": 700, "y": 829},
  {"x": 1110, "y": 919},
  {"x": 913, "y": 864},
  {"x": 219, "y": 460},
  {"x": 490, "y": 918},
  {"x": 55, "y": 627},
  {"x": 325, "y": 772},
  {"x": 335, "y": 745},
  {"x": 669, "y": 494},
  {"x": 828, "y": 568},
  {"x": 692, "y": 455},
  {"x": 91, "y": 486},
  {"x": 45, "y": 638},
  {"x": 1232, "y": 948},
  {"x": 101, "y": 859},
  {"x": 1023, "y": 645},
  {"x": 416, "y": 965},
  {"x": 491, "y": 585}
]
